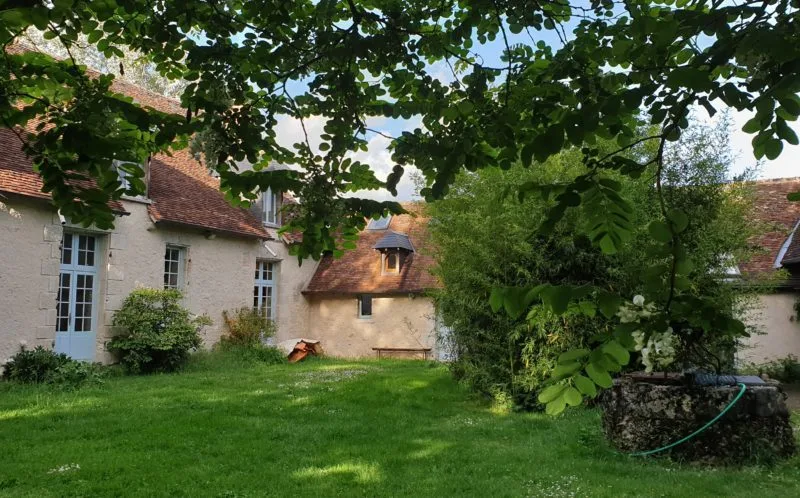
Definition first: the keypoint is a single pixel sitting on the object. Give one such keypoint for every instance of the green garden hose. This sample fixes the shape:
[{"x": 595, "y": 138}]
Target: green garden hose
[{"x": 698, "y": 431}]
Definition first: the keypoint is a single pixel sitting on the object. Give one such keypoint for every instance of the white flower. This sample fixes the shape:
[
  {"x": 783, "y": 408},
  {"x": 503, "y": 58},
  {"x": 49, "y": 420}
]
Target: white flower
[
  {"x": 638, "y": 300},
  {"x": 23, "y": 343},
  {"x": 660, "y": 350},
  {"x": 627, "y": 315},
  {"x": 638, "y": 337}
]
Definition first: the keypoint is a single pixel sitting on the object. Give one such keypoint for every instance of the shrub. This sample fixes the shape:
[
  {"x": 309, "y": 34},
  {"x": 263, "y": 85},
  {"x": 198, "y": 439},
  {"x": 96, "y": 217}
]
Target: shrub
[
  {"x": 487, "y": 239},
  {"x": 40, "y": 365},
  {"x": 34, "y": 366},
  {"x": 74, "y": 374},
  {"x": 247, "y": 327},
  {"x": 785, "y": 369},
  {"x": 257, "y": 353},
  {"x": 156, "y": 332}
]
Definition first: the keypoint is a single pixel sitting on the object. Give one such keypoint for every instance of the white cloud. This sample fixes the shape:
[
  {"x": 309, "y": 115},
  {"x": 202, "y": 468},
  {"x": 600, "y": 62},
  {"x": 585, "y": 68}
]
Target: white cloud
[
  {"x": 380, "y": 160},
  {"x": 289, "y": 131},
  {"x": 786, "y": 165}
]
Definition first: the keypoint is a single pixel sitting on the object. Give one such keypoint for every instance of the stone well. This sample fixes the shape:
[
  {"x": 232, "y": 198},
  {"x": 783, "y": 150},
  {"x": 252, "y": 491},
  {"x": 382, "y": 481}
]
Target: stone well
[{"x": 640, "y": 415}]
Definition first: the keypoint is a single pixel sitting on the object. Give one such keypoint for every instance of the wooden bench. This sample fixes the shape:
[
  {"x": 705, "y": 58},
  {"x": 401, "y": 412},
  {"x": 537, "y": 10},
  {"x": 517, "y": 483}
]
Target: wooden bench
[{"x": 424, "y": 351}]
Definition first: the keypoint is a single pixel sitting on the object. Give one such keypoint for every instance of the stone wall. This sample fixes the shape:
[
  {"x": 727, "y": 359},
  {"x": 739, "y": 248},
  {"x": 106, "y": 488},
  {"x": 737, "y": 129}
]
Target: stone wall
[
  {"x": 641, "y": 416},
  {"x": 396, "y": 321},
  {"x": 217, "y": 274},
  {"x": 780, "y": 330}
]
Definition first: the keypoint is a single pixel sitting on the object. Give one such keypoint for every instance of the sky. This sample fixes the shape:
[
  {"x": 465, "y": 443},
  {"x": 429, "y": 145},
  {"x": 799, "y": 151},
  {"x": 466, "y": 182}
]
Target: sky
[{"x": 378, "y": 155}]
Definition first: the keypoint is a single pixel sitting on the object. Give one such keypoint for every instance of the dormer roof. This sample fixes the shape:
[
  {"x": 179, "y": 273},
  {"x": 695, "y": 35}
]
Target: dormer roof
[
  {"x": 394, "y": 240},
  {"x": 358, "y": 271}
]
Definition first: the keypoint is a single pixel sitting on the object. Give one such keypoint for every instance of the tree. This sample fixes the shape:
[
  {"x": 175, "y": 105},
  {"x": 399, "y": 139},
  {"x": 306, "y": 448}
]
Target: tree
[
  {"x": 487, "y": 240},
  {"x": 248, "y": 63}
]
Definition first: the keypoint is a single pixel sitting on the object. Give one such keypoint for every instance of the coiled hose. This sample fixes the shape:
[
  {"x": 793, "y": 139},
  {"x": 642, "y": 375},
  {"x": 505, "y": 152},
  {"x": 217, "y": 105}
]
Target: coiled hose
[{"x": 698, "y": 431}]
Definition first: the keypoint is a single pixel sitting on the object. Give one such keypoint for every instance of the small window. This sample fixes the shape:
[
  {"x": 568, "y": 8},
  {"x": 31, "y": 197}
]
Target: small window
[
  {"x": 365, "y": 306},
  {"x": 391, "y": 262},
  {"x": 174, "y": 260},
  {"x": 381, "y": 223},
  {"x": 272, "y": 207}
]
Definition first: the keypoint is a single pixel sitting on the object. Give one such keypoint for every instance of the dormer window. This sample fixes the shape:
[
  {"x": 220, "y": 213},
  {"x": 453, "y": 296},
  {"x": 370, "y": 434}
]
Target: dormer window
[
  {"x": 390, "y": 261},
  {"x": 395, "y": 249},
  {"x": 272, "y": 207}
]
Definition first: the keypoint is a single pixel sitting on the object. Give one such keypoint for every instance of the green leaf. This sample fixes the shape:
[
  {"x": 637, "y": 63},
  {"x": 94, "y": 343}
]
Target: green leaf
[
  {"x": 794, "y": 196},
  {"x": 659, "y": 231},
  {"x": 585, "y": 385},
  {"x": 599, "y": 376},
  {"x": 607, "y": 245},
  {"x": 572, "y": 396},
  {"x": 752, "y": 126},
  {"x": 689, "y": 77},
  {"x": 791, "y": 105},
  {"x": 679, "y": 219},
  {"x": 785, "y": 132},
  {"x": 557, "y": 298},
  {"x": 465, "y": 107},
  {"x": 608, "y": 304},
  {"x": 526, "y": 156},
  {"x": 682, "y": 283},
  {"x": 572, "y": 355},
  {"x": 773, "y": 148},
  {"x": 615, "y": 349},
  {"x": 566, "y": 369},
  {"x": 556, "y": 406},
  {"x": 588, "y": 308},
  {"x": 496, "y": 298},
  {"x": 513, "y": 302},
  {"x": 550, "y": 393},
  {"x": 684, "y": 266}
]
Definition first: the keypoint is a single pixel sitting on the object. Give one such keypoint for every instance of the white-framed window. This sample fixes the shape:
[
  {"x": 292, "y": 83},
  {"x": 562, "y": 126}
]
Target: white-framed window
[
  {"x": 365, "y": 306},
  {"x": 390, "y": 262},
  {"x": 76, "y": 300},
  {"x": 174, "y": 262},
  {"x": 272, "y": 207},
  {"x": 264, "y": 290}
]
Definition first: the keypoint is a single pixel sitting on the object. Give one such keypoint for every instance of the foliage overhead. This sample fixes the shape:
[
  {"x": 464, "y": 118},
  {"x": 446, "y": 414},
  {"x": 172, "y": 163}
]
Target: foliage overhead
[{"x": 249, "y": 63}]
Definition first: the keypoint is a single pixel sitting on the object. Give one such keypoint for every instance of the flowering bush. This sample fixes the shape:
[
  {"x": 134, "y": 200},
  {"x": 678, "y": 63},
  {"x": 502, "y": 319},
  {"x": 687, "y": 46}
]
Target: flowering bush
[{"x": 657, "y": 348}]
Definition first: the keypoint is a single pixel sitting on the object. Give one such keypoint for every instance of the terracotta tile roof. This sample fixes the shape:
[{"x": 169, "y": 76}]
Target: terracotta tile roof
[
  {"x": 358, "y": 271},
  {"x": 184, "y": 193},
  {"x": 181, "y": 189},
  {"x": 772, "y": 207}
]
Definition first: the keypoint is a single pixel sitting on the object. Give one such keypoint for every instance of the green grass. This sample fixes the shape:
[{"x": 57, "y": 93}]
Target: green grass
[{"x": 320, "y": 429}]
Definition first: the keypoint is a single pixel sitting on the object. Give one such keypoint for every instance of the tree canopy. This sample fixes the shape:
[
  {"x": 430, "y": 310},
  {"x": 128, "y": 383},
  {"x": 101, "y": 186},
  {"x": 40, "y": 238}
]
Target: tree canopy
[
  {"x": 485, "y": 239},
  {"x": 570, "y": 73}
]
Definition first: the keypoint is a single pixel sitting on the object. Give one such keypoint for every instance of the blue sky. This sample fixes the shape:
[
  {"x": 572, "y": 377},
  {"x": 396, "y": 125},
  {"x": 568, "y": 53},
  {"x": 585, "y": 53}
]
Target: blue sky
[{"x": 379, "y": 157}]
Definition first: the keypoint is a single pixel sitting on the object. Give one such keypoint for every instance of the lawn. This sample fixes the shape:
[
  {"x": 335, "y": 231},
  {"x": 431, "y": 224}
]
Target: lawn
[{"x": 325, "y": 428}]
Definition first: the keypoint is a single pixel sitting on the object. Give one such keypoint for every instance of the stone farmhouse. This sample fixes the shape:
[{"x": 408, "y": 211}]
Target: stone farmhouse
[{"x": 63, "y": 282}]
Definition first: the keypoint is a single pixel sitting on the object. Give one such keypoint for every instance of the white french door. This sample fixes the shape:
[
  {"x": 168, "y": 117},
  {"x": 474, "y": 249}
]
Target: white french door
[{"x": 76, "y": 306}]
